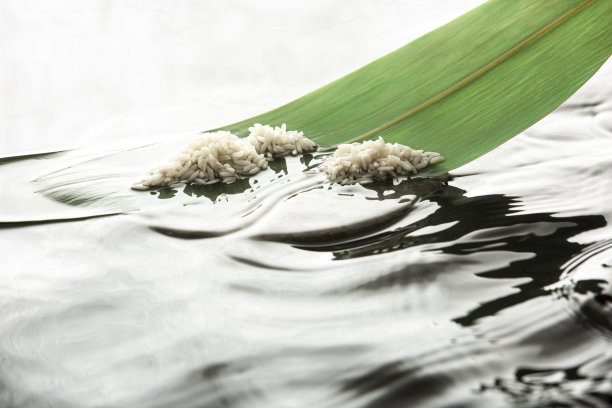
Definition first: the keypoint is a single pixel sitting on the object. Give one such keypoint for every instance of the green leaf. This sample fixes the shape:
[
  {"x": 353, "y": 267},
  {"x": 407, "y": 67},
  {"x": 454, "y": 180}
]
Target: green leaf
[{"x": 464, "y": 88}]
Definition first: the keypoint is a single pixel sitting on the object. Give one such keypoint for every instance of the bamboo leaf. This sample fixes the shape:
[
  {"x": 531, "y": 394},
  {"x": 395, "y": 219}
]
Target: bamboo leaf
[{"x": 464, "y": 88}]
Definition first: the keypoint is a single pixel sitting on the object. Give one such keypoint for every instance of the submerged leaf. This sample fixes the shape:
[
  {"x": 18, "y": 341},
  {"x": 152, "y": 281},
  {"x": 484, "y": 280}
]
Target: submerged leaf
[{"x": 464, "y": 88}]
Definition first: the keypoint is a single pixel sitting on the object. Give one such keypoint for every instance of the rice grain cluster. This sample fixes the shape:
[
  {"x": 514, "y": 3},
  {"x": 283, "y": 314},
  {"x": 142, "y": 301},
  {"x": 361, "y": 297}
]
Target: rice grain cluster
[
  {"x": 224, "y": 157},
  {"x": 375, "y": 159},
  {"x": 278, "y": 142}
]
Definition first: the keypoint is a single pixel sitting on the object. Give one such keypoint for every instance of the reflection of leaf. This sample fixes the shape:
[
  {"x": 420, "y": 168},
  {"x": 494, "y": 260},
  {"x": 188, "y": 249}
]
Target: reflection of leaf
[
  {"x": 166, "y": 193},
  {"x": 464, "y": 88},
  {"x": 306, "y": 159},
  {"x": 278, "y": 166},
  {"x": 213, "y": 191}
]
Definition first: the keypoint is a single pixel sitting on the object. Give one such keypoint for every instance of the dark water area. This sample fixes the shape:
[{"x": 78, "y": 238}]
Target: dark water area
[{"x": 491, "y": 287}]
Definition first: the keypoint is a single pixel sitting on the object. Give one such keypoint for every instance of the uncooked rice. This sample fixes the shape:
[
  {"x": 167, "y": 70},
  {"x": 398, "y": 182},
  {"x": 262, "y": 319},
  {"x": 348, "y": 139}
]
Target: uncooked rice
[
  {"x": 374, "y": 159},
  {"x": 277, "y": 142},
  {"x": 224, "y": 157}
]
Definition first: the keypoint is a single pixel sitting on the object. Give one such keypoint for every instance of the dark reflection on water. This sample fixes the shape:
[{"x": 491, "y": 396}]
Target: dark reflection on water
[
  {"x": 215, "y": 190},
  {"x": 550, "y": 387},
  {"x": 499, "y": 229},
  {"x": 279, "y": 166}
]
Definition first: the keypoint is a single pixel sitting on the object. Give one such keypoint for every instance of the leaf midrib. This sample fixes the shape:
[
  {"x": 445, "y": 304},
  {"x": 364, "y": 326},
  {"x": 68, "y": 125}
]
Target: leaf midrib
[{"x": 466, "y": 80}]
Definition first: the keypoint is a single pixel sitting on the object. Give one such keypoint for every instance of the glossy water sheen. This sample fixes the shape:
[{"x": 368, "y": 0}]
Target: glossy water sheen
[{"x": 491, "y": 289}]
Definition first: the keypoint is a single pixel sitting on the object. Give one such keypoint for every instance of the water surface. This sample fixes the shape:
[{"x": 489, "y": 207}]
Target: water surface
[{"x": 491, "y": 288}]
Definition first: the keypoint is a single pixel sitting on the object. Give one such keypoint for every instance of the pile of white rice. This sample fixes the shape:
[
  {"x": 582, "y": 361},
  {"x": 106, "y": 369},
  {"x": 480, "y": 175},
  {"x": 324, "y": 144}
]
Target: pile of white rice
[
  {"x": 224, "y": 157},
  {"x": 375, "y": 159},
  {"x": 277, "y": 142}
]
